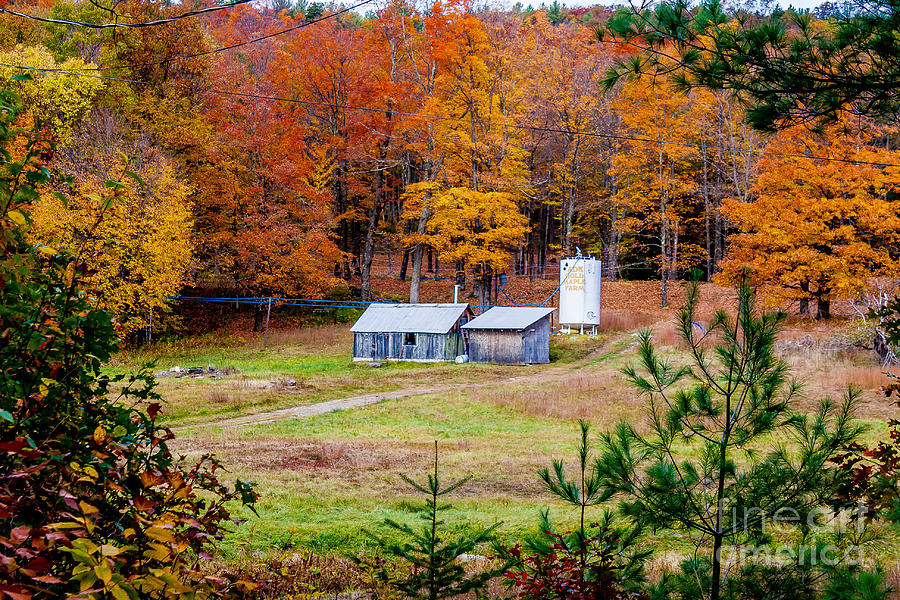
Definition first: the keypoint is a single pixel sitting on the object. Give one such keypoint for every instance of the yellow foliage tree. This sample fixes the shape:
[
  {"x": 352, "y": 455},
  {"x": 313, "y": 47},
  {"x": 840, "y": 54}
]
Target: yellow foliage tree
[
  {"x": 477, "y": 95},
  {"x": 474, "y": 150},
  {"x": 818, "y": 228},
  {"x": 134, "y": 234},
  {"x": 474, "y": 229},
  {"x": 56, "y": 101}
]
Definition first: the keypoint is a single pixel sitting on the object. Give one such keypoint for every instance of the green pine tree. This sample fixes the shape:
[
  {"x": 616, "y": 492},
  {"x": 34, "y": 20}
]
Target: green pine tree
[
  {"x": 600, "y": 559},
  {"x": 788, "y": 67},
  {"x": 729, "y": 453},
  {"x": 556, "y": 12},
  {"x": 430, "y": 555}
]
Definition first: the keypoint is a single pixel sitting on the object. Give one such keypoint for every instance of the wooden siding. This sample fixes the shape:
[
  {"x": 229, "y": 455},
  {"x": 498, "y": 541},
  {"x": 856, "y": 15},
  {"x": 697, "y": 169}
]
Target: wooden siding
[
  {"x": 499, "y": 346},
  {"x": 537, "y": 342},
  {"x": 389, "y": 346},
  {"x": 511, "y": 347}
]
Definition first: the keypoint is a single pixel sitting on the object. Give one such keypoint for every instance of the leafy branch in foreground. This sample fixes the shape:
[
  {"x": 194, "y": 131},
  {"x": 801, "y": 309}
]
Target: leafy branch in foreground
[
  {"x": 433, "y": 559},
  {"x": 93, "y": 504}
]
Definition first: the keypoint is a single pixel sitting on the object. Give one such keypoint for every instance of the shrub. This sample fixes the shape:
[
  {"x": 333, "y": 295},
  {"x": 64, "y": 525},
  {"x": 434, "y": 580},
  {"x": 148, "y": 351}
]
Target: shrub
[{"x": 92, "y": 502}]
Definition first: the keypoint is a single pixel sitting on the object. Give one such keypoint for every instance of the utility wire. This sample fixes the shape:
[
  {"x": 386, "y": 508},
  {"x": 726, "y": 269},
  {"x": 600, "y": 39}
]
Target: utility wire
[
  {"x": 154, "y": 23},
  {"x": 609, "y": 136},
  {"x": 225, "y": 48}
]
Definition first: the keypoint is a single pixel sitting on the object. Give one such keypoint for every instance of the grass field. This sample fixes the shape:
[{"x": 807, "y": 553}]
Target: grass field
[{"x": 323, "y": 479}]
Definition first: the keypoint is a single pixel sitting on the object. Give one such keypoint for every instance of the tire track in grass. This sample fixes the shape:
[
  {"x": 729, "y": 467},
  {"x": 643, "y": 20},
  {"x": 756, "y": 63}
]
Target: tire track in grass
[{"x": 319, "y": 408}]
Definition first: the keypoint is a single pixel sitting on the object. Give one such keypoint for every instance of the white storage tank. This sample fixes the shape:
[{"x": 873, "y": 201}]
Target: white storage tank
[{"x": 579, "y": 292}]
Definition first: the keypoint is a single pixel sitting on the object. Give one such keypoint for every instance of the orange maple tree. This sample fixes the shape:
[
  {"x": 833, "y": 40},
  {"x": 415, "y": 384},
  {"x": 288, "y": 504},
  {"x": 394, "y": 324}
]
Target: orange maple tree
[{"x": 818, "y": 228}]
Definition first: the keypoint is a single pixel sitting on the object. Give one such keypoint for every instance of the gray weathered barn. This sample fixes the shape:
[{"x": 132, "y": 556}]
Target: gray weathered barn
[
  {"x": 415, "y": 332},
  {"x": 510, "y": 335}
]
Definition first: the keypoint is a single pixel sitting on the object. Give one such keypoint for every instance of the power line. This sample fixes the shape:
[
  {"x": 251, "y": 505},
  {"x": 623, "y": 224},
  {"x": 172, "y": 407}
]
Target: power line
[
  {"x": 154, "y": 23},
  {"x": 610, "y": 136},
  {"x": 225, "y": 48}
]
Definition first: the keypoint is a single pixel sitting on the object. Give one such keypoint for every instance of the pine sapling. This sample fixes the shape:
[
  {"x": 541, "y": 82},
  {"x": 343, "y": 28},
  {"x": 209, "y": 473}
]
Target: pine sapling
[
  {"x": 432, "y": 560},
  {"x": 728, "y": 454},
  {"x": 597, "y": 560}
]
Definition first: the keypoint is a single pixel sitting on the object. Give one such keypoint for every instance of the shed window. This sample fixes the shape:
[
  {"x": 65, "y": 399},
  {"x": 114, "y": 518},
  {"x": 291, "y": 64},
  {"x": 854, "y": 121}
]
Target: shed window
[{"x": 409, "y": 339}]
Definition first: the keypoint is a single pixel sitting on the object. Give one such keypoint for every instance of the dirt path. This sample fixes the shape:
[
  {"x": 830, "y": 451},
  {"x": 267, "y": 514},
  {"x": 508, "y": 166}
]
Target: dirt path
[{"x": 320, "y": 408}]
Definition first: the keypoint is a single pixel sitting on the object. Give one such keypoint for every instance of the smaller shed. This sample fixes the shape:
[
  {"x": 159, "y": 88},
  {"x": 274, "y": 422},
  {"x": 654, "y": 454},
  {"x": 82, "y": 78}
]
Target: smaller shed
[
  {"x": 510, "y": 335},
  {"x": 415, "y": 332}
]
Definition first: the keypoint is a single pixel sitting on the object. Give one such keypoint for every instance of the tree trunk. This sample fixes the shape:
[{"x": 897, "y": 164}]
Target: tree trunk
[
  {"x": 673, "y": 266},
  {"x": 664, "y": 270},
  {"x": 482, "y": 284},
  {"x": 570, "y": 219},
  {"x": 416, "y": 277},
  {"x": 357, "y": 250},
  {"x": 340, "y": 207},
  {"x": 718, "y": 242},
  {"x": 823, "y": 308},
  {"x": 417, "y": 252},
  {"x": 716, "y": 568},
  {"x": 545, "y": 242},
  {"x": 614, "y": 235},
  {"x": 709, "y": 249},
  {"x": 663, "y": 224},
  {"x": 887, "y": 356},
  {"x": 804, "y": 300},
  {"x": 404, "y": 264},
  {"x": 259, "y": 313},
  {"x": 368, "y": 251},
  {"x": 718, "y": 534}
]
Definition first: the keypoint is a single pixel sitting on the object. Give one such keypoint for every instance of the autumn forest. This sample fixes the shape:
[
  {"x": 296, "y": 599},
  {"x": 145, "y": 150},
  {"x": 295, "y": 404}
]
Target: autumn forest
[{"x": 283, "y": 150}]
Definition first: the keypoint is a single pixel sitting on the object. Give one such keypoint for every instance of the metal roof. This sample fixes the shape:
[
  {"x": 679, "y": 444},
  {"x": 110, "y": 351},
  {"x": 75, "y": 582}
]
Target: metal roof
[
  {"x": 409, "y": 318},
  {"x": 509, "y": 317}
]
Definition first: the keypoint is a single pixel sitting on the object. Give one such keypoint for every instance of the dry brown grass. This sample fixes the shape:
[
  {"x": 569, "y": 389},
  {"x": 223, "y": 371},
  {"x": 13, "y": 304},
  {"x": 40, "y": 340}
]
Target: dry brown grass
[
  {"x": 322, "y": 458},
  {"x": 871, "y": 378},
  {"x": 324, "y": 336},
  {"x": 249, "y": 384},
  {"x": 599, "y": 395},
  {"x": 837, "y": 369},
  {"x": 217, "y": 396},
  {"x": 297, "y": 575},
  {"x": 623, "y": 320},
  {"x": 827, "y": 371},
  {"x": 667, "y": 335}
]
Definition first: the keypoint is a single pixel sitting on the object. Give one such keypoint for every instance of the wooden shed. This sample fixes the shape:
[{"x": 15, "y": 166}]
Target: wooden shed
[
  {"x": 510, "y": 335},
  {"x": 414, "y": 332}
]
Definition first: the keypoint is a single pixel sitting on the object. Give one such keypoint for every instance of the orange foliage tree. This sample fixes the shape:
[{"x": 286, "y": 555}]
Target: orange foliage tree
[
  {"x": 657, "y": 171},
  {"x": 476, "y": 99},
  {"x": 266, "y": 223},
  {"x": 818, "y": 228}
]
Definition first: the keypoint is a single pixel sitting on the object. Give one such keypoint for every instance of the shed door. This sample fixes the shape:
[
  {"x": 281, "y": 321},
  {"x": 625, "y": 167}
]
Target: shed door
[{"x": 382, "y": 343}]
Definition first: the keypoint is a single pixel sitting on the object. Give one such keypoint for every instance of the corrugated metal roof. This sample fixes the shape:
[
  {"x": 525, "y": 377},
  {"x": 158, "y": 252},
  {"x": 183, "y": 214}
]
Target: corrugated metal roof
[
  {"x": 409, "y": 318},
  {"x": 509, "y": 317}
]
